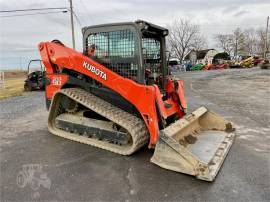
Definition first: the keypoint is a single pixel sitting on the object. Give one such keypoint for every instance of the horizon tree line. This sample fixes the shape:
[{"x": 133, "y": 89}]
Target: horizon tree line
[{"x": 184, "y": 36}]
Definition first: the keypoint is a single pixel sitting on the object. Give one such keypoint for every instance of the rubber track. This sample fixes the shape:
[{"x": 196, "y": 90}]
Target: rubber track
[{"x": 134, "y": 125}]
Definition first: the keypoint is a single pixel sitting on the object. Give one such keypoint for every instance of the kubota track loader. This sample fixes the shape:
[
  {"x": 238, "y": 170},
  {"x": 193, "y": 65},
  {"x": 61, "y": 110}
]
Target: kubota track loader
[{"x": 118, "y": 96}]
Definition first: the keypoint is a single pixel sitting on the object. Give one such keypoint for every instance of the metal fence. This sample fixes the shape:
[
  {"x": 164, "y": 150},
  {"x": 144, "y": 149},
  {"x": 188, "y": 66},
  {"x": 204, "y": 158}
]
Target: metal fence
[{"x": 2, "y": 79}]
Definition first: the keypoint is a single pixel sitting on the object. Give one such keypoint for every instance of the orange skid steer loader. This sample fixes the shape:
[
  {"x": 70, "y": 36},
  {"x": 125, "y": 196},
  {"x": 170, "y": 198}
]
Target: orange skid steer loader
[{"x": 118, "y": 96}]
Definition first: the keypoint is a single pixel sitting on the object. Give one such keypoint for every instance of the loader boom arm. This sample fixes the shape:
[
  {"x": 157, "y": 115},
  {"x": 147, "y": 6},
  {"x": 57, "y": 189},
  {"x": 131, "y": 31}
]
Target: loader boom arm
[{"x": 57, "y": 57}]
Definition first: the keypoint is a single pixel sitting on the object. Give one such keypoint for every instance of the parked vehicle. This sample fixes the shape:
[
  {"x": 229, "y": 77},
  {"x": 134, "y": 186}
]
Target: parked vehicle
[{"x": 36, "y": 78}]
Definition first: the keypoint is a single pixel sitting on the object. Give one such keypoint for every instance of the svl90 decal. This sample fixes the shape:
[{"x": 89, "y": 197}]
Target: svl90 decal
[{"x": 56, "y": 81}]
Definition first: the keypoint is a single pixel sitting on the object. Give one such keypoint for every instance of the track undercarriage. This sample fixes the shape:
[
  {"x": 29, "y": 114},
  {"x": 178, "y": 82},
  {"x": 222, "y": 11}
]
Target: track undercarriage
[{"x": 80, "y": 116}]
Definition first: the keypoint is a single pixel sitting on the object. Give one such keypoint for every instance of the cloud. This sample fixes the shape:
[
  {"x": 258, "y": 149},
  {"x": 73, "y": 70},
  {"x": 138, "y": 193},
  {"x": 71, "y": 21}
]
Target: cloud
[
  {"x": 229, "y": 9},
  {"x": 241, "y": 13}
]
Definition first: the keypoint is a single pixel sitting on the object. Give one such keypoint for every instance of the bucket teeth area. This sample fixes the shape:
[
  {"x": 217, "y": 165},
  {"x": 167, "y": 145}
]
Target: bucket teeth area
[{"x": 196, "y": 145}]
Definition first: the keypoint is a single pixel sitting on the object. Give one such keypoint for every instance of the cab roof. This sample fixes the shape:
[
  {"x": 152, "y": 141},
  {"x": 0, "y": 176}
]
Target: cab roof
[{"x": 140, "y": 24}]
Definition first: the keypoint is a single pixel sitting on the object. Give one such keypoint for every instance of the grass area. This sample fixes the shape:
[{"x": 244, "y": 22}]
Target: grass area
[{"x": 13, "y": 87}]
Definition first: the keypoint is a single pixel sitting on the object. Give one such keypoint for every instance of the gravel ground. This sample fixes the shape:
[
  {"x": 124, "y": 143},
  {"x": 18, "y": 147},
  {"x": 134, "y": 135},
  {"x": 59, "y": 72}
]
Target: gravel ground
[{"x": 38, "y": 166}]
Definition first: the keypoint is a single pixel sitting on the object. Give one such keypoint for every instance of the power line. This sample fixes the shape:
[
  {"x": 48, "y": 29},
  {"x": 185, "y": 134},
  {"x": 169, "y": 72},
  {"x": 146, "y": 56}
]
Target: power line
[
  {"x": 87, "y": 11},
  {"x": 32, "y": 9},
  {"x": 204, "y": 25},
  {"x": 64, "y": 10},
  {"x": 40, "y": 13},
  {"x": 77, "y": 18}
]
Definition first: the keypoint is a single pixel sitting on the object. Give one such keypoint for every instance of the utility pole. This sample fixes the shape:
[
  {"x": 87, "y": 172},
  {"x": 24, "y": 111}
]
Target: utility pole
[
  {"x": 266, "y": 37},
  {"x": 72, "y": 24},
  {"x": 20, "y": 62}
]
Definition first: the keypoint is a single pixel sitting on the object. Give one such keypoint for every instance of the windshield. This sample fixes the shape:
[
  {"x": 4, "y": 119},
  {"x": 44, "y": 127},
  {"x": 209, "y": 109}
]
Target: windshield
[
  {"x": 152, "y": 60},
  {"x": 151, "y": 48},
  {"x": 35, "y": 65}
]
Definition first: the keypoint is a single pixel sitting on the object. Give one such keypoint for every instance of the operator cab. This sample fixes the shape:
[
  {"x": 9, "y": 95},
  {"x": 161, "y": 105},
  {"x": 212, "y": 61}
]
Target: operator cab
[{"x": 134, "y": 50}]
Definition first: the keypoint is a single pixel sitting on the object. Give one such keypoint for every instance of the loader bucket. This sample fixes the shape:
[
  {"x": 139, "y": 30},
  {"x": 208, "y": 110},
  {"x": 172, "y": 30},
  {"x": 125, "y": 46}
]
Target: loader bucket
[{"x": 196, "y": 145}]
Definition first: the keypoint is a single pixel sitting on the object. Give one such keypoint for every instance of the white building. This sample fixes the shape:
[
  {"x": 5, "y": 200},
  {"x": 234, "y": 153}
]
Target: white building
[{"x": 202, "y": 56}]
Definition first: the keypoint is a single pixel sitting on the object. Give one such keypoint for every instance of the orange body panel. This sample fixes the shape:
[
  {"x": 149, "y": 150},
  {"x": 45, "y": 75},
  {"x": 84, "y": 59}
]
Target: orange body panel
[
  {"x": 57, "y": 81},
  {"x": 144, "y": 98}
]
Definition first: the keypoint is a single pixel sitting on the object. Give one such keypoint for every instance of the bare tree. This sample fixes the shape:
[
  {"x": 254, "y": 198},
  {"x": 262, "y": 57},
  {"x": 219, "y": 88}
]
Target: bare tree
[
  {"x": 238, "y": 41},
  {"x": 250, "y": 41},
  {"x": 224, "y": 41},
  {"x": 199, "y": 43},
  {"x": 260, "y": 35},
  {"x": 183, "y": 37}
]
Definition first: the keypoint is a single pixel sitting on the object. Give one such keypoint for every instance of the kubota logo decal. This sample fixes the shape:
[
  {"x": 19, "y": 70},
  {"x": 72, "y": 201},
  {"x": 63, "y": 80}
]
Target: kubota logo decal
[{"x": 95, "y": 70}]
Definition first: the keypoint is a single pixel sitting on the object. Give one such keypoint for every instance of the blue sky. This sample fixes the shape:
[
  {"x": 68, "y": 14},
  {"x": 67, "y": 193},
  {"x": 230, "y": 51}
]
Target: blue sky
[{"x": 19, "y": 36}]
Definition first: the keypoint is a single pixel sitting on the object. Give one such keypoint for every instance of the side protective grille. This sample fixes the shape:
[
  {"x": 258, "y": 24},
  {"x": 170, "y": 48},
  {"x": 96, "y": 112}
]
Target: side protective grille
[{"x": 115, "y": 50}]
